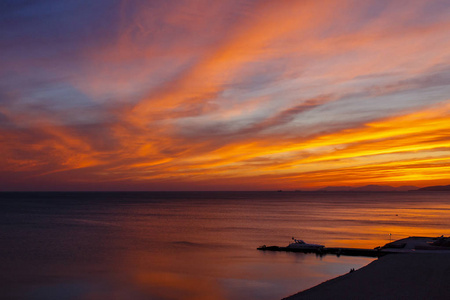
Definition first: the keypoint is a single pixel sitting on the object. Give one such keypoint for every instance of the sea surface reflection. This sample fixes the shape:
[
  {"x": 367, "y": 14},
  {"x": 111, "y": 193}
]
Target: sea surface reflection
[{"x": 195, "y": 245}]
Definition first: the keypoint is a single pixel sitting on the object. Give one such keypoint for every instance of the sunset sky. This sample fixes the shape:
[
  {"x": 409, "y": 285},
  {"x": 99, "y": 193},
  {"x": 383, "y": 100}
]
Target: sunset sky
[{"x": 223, "y": 95}]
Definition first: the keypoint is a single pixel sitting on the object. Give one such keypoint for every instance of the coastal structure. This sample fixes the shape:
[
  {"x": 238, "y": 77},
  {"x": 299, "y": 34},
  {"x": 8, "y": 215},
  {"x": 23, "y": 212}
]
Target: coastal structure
[
  {"x": 408, "y": 245},
  {"x": 416, "y": 268}
]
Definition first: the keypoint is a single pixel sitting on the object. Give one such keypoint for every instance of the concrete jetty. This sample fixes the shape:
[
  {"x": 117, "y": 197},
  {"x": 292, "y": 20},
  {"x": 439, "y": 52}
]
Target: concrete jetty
[
  {"x": 408, "y": 245},
  {"x": 328, "y": 250}
]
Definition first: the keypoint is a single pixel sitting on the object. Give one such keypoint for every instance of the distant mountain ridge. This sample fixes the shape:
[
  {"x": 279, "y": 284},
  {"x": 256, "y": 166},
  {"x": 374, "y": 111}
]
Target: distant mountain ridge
[
  {"x": 369, "y": 188},
  {"x": 436, "y": 188}
]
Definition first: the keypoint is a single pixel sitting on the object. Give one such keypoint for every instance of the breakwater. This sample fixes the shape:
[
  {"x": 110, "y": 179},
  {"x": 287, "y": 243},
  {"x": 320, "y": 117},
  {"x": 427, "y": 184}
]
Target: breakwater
[{"x": 328, "y": 250}]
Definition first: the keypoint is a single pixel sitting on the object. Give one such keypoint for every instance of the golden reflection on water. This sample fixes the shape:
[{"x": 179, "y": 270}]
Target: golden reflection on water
[
  {"x": 384, "y": 225},
  {"x": 203, "y": 247},
  {"x": 169, "y": 285},
  {"x": 207, "y": 250}
]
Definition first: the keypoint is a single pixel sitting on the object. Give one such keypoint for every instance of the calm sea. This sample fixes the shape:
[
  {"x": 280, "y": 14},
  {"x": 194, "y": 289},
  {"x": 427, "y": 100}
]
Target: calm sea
[{"x": 195, "y": 245}]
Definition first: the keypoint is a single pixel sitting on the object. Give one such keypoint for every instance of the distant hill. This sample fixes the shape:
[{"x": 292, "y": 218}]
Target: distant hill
[
  {"x": 375, "y": 188},
  {"x": 405, "y": 188},
  {"x": 383, "y": 188},
  {"x": 436, "y": 188},
  {"x": 335, "y": 189},
  {"x": 368, "y": 188}
]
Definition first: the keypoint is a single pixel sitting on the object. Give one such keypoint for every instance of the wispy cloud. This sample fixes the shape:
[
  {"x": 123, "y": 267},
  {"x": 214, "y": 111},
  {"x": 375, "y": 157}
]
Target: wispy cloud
[{"x": 228, "y": 94}]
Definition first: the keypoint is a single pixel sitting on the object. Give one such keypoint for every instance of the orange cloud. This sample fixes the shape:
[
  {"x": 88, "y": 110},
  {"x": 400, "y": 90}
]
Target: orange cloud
[{"x": 256, "y": 95}]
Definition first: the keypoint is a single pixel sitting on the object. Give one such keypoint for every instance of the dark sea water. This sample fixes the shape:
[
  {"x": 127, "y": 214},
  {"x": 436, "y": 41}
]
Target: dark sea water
[{"x": 195, "y": 245}]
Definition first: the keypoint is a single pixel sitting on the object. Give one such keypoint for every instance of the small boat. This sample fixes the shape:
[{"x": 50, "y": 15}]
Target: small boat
[{"x": 299, "y": 244}]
